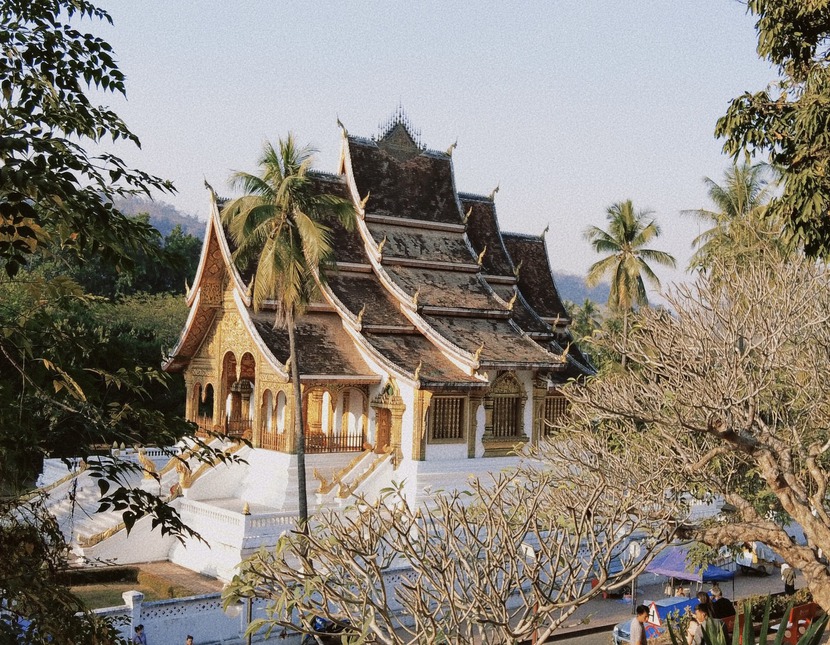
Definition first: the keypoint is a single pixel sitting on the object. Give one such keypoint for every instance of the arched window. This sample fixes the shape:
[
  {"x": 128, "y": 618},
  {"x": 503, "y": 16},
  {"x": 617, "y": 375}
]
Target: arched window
[
  {"x": 206, "y": 401},
  {"x": 351, "y": 411},
  {"x": 325, "y": 413},
  {"x": 281, "y": 412},
  {"x": 267, "y": 411}
]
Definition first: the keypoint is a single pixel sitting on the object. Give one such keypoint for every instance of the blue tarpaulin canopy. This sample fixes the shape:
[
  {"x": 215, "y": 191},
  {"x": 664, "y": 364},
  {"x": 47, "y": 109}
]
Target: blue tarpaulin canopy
[{"x": 671, "y": 562}]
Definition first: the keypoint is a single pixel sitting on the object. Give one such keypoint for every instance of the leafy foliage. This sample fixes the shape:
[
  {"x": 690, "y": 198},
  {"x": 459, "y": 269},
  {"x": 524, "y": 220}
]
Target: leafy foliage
[
  {"x": 627, "y": 259},
  {"x": 38, "y": 608},
  {"x": 76, "y": 374},
  {"x": 50, "y": 188},
  {"x": 738, "y": 223},
  {"x": 787, "y": 121}
]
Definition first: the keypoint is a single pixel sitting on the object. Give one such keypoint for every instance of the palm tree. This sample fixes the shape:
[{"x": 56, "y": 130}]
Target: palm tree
[
  {"x": 280, "y": 223},
  {"x": 740, "y": 205},
  {"x": 627, "y": 261}
]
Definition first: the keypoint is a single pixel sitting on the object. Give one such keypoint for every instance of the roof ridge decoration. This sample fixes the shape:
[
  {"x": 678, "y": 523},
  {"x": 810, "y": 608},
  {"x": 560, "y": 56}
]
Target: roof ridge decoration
[
  {"x": 469, "y": 197},
  {"x": 400, "y": 118}
]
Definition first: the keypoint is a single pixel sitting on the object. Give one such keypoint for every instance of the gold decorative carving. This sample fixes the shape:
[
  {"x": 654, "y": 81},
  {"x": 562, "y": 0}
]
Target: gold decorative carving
[
  {"x": 147, "y": 464},
  {"x": 185, "y": 474},
  {"x": 422, "y": 399},
  {"x": 211, "y": 294}
]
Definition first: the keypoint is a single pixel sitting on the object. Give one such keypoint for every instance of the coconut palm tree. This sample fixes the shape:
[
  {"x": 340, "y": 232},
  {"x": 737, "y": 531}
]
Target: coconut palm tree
[
  {"x": 627, "y": 262},
  {"x": 739, "y": 216},
  {"x": 280, "y": 224}
]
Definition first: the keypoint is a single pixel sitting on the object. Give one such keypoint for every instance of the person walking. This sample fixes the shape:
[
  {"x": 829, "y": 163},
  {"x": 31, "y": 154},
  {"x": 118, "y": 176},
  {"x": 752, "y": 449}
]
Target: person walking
[
  {"x": 788, "y": 577},
  {"x": 140, "y": 637},
  {"x": 638, "y": 628}
]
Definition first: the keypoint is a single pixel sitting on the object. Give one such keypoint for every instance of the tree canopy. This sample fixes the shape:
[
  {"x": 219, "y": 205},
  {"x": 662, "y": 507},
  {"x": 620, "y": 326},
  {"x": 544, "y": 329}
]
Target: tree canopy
[
  {"x": 728, "y": 389},
  {"x": 75, "y": 374},
  {"x": 787, "y": 121}
]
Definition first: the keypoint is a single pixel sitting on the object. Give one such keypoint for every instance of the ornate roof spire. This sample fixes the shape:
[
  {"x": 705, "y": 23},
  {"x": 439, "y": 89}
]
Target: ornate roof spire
[{"x": 399, "y": 118}]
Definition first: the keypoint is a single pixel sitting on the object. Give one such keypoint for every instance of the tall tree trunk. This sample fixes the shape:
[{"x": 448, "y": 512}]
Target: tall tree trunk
[
  {"x": 299, "y": 426},
  {"x": 623, "y": 360}
]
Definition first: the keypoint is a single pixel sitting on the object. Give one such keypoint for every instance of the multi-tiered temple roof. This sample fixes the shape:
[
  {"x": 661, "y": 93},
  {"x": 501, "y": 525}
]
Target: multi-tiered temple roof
[{"x": 427, "y": 288}]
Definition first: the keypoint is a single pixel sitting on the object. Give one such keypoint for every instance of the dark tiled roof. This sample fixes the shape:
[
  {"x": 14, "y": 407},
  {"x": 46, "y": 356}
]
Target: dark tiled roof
[
  {"x": 577, "y": 366},
  {"x": 409, "y": 350},
  {"x": 437, "y": 288},
  {"x": 320, "y": 345},
  {"x": 347, "y": 245},
  {"x": 535, "y": 277},
  {"x": 420, "y": 187},
  {"x": 421, "y": 244},
  {"x": 502, "y": 343},
  {"x": 523, "y": 315},
  {"x": 357, "y": 289},
  {"x": 483, "y": 232}
]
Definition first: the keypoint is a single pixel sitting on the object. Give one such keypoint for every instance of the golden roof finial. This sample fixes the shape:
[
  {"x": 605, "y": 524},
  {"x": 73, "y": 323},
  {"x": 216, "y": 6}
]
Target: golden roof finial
[
  {"x": 481, "y": 255},
  {"x": 418, "y": 370},
  {"x": 512, "y": 301},
  {"x": 364, "y": 200},
  {"x": 477, "y": 355},
  {"x": 342, "y": 127},
  {"x": 451, "y": 148},
  {"x": 493, "y": 194},
  {"x": 415, "y": 297},
  {"x": 517, "y": 269},
  {"x": 360, "y": 314},
  {"x": 186, "y": 289},
  {"x": 381, "y": 244},
  {"x": 547, "y": 228},
  {"x": 467, "y": 216}
]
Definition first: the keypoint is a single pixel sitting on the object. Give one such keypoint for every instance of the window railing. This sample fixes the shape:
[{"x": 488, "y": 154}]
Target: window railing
[{"x": 335, "y": 442}]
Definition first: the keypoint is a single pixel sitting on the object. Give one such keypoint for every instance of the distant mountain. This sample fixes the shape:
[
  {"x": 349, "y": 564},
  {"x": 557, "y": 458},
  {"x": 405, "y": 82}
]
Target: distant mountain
[
  {"x": 572, "y": 287},
  {"x": 162, "y": 215}
]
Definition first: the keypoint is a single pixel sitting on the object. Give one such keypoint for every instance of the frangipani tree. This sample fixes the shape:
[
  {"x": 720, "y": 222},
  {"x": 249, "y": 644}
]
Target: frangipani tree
[
  {"x": 731, "y": 391},
  {"x": 512, "y": 555}
]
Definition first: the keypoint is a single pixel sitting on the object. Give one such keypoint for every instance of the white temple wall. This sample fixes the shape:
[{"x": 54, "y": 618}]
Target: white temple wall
[
  {"x": 142, "y": 544},
  {"x": 266, "y": 479},
  {"x": 223, "y": 480},
  {"x": 446, "y": 451}
]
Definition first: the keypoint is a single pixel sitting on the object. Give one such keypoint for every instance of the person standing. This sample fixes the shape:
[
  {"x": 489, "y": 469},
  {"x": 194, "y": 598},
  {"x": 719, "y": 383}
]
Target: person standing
[
  {"x": 722, "y": 607},
  {"x": 638, "y": 628},
  {"x": 706, "y": 624},
  {"x": 188, "y": 640},
  {"x": 140, "y": 637},
  {"x": 788, "y": 577}
]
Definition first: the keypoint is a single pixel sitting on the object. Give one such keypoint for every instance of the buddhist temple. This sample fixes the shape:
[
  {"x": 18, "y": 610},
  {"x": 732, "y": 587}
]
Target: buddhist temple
[{"x": 435, "y": 350}]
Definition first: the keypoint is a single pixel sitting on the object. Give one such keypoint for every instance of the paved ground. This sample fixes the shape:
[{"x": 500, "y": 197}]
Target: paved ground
[
  {"x": 177, "y": 575},
  {"x": 592, "y": 623}
]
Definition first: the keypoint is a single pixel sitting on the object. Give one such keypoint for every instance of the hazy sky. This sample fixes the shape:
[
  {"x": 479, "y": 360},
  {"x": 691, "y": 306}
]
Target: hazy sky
[{"x": 568, "y": 105}]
